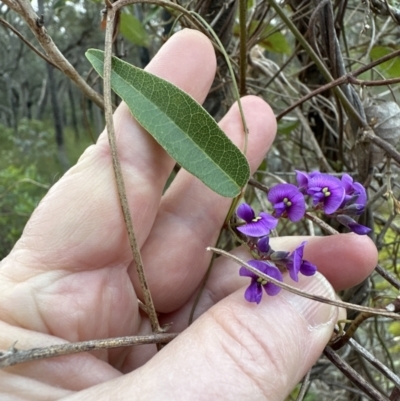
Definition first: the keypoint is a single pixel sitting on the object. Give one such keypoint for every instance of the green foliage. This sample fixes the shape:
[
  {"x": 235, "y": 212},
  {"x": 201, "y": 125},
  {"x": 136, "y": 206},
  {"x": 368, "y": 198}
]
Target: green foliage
[
  {"x": 28, "y": 167},
  {"x": 287, "y": 127},
  {"x": 390, "y": 68},
  {"x": 271, "y": 39},
  {"x": 21, "y": 188},
  {"x": 276, "y": 43},
  {"x": 180, "y": 125},
  {"x": 132, "y": 29}
]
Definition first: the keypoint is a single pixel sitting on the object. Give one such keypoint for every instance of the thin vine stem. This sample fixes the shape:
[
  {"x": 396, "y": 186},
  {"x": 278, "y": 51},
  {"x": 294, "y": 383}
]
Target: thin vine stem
[{"x": 119, "y": 176}]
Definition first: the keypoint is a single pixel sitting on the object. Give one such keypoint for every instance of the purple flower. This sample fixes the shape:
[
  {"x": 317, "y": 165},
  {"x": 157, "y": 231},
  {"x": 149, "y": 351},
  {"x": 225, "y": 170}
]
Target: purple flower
[
  {"x": 327, "y": 190},
  {"x": 303, "y": 178},
  {"x": 287, "y": 200},
  {"x": 255, "y": 226},
  {"x": 254, "y": 290},
  {"x": 355, "y": 197},
  {"x": 297, "y": 265},
  {"x": 352, "y": 225},
  {"x": 263, "y": 245}
]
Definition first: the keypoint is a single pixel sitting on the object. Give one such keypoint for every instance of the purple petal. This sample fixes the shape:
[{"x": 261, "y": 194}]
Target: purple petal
[
  {"x": 347, "y": 182},
  {"x": 243, "y": 271},
  {"x": 296, "y": 260},
  {"x": 293, "y": 272},
  {"x": 271, "y": 288},
  {"x": 333, "y": 202},
  {"x": 298, "y": 208},
  {"x": 263, "y": 244},
  {"x": 359, "y": 229},
  {"x": 279, "y": 192},
  {"x": 245, "y": 212},
  {"x": 280, "y": 208},
  {"x": 335, "y": 188},
  {"x": 307, "y": 268},
  {"x": 257, "y": 264},
  {"x": 253, "y": 292},
  {"x": 352, "y": 225},
  {"x": 302, "y": 179},
  {"x": 261, "y": 227},
  {"x": 362, "y": 194}
]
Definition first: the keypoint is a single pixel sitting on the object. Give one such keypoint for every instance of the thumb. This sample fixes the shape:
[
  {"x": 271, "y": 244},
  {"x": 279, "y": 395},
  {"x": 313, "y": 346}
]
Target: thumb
[{"x": 237, "y": 350}]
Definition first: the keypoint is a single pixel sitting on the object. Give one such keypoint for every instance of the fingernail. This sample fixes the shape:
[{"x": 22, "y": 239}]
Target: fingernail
[{"x": 316, "y": 313}]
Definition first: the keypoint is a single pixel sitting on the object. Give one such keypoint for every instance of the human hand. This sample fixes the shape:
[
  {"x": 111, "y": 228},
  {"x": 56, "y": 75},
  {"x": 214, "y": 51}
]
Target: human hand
[{"x": 71, "y": 278}]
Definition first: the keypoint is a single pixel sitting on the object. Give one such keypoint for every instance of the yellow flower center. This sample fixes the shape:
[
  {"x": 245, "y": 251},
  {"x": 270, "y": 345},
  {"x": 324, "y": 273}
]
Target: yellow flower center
[
  {"x": 262, "y": 281},
  {"x": 287, "y": 202},
  {"x": 326, "y": 191}
]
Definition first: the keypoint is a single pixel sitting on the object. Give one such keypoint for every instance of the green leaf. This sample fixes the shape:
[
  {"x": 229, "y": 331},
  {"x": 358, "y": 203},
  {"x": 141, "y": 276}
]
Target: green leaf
[
  {"x": 276, "y": 43},
  {"x": 180, "y": 125},
  {"x": 271, "y": 39},
  {"x": 132, "y": 30},
  {"x": 286, "y": 127},
  {"x": 391, "y": 68}
]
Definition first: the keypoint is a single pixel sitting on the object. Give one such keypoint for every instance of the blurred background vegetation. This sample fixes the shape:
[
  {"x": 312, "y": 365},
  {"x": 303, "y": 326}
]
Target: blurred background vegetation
[{"x": 46, "y": 121}]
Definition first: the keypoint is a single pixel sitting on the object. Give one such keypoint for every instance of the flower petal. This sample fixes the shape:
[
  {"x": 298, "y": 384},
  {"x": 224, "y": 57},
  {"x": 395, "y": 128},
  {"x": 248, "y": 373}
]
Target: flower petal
[
  {"x": 307, "y": 268},
  {"x": 243, "y": 271},
  {"x": 259, "y": 228},
  {"x": 298, "y": 208},
  {"x": 335, "y": 188},
  {"x": 263, "y": 244},
  {"x": 293, "y": 272},
  {"x": 280, "y": 191},
  {"x": 302, "y": 179},
  {"x": 271, "y": 288},
  {"x": 347, "y": 182},
  {"x": 253, "y": 292},
  {"x": 352, "y": 225},
  {"x": 245, "y": 212},
  {"x": 362, "y": 194}
]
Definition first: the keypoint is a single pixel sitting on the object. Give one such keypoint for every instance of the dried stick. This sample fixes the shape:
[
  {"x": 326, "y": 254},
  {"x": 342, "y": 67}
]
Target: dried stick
[
  {"x": 14, "y": 356},
  {"x": 111, "y": 12},
  {"x": 353, "y": 376},
  {"x": 243, "y": 46},
  {"x": 26, "y": 41}
]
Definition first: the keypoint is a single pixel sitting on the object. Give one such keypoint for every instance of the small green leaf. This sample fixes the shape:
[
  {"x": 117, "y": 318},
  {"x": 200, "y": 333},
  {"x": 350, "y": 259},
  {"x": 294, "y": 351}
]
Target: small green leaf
[
  {"x": 132, "y": 30},
  {"x": 286, "y": 127},
  {"x": 276, "y": 43},
  {"x": 391, "y": 68},
  {"x": 180, "y": 125},
  {"x": 271, "y": 39}
]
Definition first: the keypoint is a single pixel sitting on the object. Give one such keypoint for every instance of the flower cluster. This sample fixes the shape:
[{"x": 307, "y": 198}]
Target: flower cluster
[{"x": 342, "y": 199}]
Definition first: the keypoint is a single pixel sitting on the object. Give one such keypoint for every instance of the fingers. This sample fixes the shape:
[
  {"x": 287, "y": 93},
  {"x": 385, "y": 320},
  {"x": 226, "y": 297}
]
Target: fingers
[
  {"x": 344, "y": 259},
  {"x": 79, "y": 224},
  {"x": 67, "y": 275},
  {"x": 191, "y": 215},
  {"x": 237, "y": 351}
]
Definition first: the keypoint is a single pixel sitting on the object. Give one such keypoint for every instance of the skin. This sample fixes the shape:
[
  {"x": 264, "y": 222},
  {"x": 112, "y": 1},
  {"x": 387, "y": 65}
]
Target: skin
[{"x": 70, "y": 277}]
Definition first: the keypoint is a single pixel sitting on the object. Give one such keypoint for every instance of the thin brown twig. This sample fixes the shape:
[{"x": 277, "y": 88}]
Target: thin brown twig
[
  {"x": 26, "y": 41},
  {"x": 243, "y": 46},
  {"x": 119, "y": 176},
  {"x": 353, "y": 376},
  {"x": 14, "y": 356}
]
